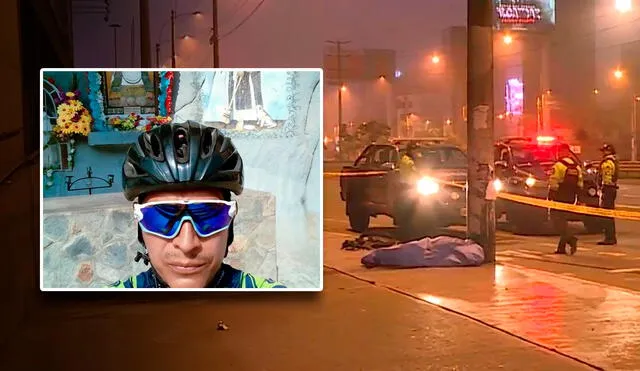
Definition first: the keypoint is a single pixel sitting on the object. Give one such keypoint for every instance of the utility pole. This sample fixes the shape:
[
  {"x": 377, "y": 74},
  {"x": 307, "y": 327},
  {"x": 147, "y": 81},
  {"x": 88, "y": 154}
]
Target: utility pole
[
  {"x": 157, "y": 55},
  {"x": 115, "y": 27},
  {"x": 133, "y": 42},
  {"x": 342, "y": 128},
  {"x": 214, "y": 34},
  {"x": 480, "y": 208},
  {"x": 173, "y": 38},
  {"x": 145, "y": 38},
  {"x": 634, "y": 128}
]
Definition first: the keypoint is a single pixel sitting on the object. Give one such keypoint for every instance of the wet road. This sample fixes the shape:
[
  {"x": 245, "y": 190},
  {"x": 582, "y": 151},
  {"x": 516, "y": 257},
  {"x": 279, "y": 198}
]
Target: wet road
[
  {"x": 351, "y": 325},
  {"x": 612, "y": 265},
  {"x": 584, "y": 306}
]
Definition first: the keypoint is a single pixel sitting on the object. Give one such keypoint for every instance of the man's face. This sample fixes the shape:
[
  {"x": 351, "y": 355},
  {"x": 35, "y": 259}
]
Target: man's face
[{"x": 188, "y": 260}]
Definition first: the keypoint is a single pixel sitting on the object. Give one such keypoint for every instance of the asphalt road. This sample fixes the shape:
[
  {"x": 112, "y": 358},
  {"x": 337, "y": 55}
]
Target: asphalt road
[
  {"x": 351, "y": 325},
  {"x": 616, "y": 266}
]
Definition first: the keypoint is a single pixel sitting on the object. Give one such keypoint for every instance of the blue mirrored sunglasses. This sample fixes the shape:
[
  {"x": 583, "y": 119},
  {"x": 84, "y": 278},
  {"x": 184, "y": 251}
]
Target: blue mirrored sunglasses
[{"x": 165, "y": 218}]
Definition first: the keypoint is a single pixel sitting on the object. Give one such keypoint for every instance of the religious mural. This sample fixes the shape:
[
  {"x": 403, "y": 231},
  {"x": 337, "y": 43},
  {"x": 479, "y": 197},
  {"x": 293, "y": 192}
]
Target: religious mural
[{"x": 246, "y": 100}]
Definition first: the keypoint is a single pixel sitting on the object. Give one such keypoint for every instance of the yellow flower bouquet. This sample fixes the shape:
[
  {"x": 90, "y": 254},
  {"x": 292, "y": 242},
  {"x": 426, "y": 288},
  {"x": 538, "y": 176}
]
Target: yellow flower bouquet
[{"x": 73, "y": 118}]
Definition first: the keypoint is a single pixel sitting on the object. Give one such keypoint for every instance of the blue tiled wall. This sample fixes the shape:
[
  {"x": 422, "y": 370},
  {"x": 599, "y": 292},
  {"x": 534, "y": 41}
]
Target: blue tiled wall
[{"x": 102, "y": 160}]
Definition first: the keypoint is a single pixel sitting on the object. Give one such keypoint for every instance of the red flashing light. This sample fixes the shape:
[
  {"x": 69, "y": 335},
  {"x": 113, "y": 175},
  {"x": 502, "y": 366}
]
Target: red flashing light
[{"x": 545, "y": 139}]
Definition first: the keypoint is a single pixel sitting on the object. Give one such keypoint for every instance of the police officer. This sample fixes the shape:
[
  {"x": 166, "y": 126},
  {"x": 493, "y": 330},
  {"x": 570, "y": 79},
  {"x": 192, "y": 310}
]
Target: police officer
[
  {"x": 608, "y": 182},
  {"x": 407, "y": 166},
  {"x": 565, "y": 182}
]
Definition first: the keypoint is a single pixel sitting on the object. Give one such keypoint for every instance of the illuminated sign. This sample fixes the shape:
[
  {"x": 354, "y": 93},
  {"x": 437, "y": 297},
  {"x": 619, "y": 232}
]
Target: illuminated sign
[
  {"x": 519, "y": 13},
  {"x": 524, "y": 14},
  {"x": 514, "y": 97}
]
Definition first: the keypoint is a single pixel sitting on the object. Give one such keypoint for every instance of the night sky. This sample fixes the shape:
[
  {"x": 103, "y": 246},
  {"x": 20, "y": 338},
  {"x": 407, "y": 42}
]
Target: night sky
[{"x": 282, "y": 33}]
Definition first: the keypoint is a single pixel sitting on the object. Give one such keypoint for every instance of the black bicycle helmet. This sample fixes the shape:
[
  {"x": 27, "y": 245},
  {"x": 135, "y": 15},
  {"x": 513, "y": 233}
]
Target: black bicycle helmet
[{"x": 181, "y": 156}]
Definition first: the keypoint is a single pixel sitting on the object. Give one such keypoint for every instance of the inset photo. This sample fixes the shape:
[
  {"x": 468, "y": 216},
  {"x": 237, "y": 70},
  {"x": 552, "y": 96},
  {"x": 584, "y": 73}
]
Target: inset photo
[{"x": 200, "y": 179}]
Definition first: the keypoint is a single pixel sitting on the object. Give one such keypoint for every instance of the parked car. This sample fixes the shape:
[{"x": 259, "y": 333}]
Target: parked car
[{"x": 523, "y": 166}]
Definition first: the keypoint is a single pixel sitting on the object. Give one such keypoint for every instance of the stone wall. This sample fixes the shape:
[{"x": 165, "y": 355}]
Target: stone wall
[{"x": 91, "y": 241}]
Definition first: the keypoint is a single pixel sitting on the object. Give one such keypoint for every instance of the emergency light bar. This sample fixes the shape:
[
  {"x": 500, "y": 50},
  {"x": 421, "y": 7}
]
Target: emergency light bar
[{"x": 545, "y": 139}]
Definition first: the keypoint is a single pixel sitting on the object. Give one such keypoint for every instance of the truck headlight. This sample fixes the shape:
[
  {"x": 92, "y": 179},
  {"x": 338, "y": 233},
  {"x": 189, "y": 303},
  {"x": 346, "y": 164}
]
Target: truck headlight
[
  {"x": 530, "y": 182},
  {"x": 592, "y": 192},
  {"x": 428, "y": 186},
  {"x": 497, "y": 185}
]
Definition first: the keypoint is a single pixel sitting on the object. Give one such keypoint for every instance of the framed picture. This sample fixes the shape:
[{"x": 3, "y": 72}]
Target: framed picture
[{"x": 125, "y": 92}]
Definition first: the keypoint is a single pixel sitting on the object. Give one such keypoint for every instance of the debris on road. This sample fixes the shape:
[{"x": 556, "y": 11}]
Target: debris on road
[
  {"x": 364, "y": 242},
  {"x": 222, "y": 326}
]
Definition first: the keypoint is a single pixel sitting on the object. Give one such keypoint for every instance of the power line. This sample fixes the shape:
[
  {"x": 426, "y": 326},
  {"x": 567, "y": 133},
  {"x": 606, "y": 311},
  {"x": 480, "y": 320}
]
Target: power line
[
  {"x": 237, "y": 9},
  {"x": 243, "y": 21}
]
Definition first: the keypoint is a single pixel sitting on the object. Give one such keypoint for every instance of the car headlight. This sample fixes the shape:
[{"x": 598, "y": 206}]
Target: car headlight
[
  {"x": 497, "y": 185},
  {"x": 530, "y": 182},
  {"x": 428, "y": 186}
]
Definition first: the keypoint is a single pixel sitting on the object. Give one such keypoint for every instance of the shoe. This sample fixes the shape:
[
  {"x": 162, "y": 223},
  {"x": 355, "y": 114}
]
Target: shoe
[
  {"x": 574, "y": 246},
  {"x": 561, "y": 252},
  {"x": 607, "y": 243}
]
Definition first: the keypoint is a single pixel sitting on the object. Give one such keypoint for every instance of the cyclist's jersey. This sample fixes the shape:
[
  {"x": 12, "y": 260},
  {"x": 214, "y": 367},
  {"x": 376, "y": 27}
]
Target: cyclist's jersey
[{"x": 227, "y": 277}]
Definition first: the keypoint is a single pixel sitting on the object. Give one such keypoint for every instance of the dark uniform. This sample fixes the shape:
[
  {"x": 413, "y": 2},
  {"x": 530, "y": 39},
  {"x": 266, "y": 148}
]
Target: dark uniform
[
  {"x": 565, "y": 183},
  {"x": 608, "y": 183}
]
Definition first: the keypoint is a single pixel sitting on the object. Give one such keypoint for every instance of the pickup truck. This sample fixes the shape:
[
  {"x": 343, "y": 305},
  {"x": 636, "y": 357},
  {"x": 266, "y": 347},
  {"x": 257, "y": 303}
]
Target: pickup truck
[{"x": 373, "y": 186}]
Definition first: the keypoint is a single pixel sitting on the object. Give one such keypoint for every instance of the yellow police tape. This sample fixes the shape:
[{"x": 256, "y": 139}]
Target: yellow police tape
[{"x": 621, "y": 212}]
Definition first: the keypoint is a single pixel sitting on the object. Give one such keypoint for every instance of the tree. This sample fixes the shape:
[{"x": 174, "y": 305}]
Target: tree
[
  {"x": 372, "y": 132},
  {"x": 366, "y": 133}
]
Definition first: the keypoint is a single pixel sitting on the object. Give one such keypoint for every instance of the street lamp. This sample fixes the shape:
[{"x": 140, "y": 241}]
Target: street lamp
[
  {"x": 507, "y": 39},
  {"x": 623, "y": 6},
  {"x": 596, "y": 91},
  {"x": 618, "y": 74},
  {"x": 158, "y": 44},
  {"x": 343, "y": 88},
  {"x": 172, "y": 20},
  {"x": 435, "y": 59}
]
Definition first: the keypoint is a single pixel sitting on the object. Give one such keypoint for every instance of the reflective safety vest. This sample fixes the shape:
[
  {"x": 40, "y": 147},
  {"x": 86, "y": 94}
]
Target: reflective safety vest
[
  {"x": 407, "y": 166},
  {"x": 566, "y": 180},
  {"x": 609, "y": 170}
]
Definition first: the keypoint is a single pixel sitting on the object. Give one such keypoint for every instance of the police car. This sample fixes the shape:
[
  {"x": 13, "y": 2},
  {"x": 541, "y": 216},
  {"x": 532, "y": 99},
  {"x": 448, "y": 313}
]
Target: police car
[{"x": 523, "y": 166}]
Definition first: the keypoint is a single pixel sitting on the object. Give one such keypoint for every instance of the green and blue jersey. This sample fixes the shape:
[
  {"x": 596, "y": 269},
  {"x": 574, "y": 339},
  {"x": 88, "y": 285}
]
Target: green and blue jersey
[{"x": 227, "y": 277}]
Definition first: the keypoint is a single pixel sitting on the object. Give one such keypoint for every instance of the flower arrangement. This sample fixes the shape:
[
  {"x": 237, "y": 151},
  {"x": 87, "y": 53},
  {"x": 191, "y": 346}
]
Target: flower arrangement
[
  {"x": 73, "y": 118},
  {"x": 129, "y": 122},
  {"x": 156, "y": 121}
]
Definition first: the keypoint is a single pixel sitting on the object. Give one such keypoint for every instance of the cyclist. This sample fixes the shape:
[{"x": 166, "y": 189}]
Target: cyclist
[{"x": 182, "y": 176}]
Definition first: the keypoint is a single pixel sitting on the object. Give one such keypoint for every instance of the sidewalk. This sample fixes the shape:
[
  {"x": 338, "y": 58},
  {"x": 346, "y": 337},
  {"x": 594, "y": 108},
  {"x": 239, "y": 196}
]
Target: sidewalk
[
  {"x": 597, "y": 324},
  {"x": 352, "y": 325}
]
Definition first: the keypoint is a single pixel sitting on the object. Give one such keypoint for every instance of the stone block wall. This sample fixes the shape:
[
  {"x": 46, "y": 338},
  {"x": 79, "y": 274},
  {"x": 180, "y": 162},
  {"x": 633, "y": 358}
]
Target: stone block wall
[{"x": 91, "y": 241}]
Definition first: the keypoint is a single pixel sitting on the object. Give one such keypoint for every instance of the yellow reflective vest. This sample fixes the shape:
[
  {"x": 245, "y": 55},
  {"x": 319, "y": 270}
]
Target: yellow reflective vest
[
  {"x": 407, "y": 166},
  {"x": 563, "y": 170},
  {"x": 609, "y": 171}
]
